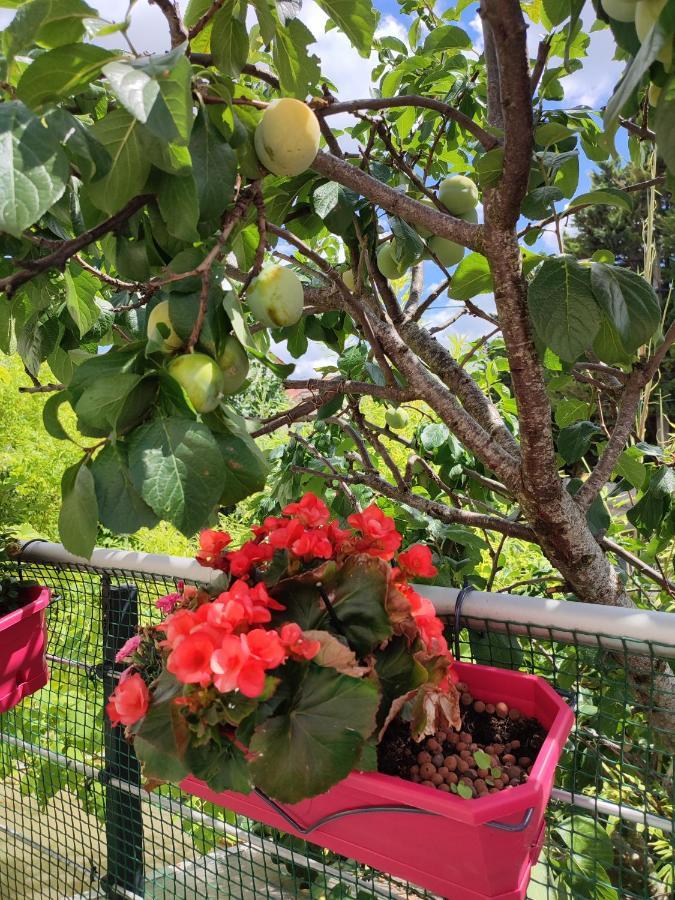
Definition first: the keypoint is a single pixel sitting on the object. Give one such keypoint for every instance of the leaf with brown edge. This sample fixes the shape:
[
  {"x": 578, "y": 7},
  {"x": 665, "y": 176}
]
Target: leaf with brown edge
[{"x": 336, "y": 655}]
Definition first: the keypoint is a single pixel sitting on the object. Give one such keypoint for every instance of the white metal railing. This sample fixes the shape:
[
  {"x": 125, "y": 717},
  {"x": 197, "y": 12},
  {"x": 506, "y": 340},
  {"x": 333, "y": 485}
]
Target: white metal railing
[{"x": 607, "y": 626}]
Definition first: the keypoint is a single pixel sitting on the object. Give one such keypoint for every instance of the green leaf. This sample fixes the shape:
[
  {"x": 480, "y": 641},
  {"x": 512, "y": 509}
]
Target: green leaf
[
  {"x": 50, "y": 416},
  {"x": 176, "y": 466},
  {"x": 102, "y": 401},
  {"x": 587, "y": 838},
  {"x": 359, "y": 594},
  {"x": 49, "y": 23},
  {"x": 33, "y": 168},
  {"x": 179, "y": 206},
  {"x": 447, "y": 37},
  {"x": 539, "y": 202},
  {"x": 299, "y": 71},
  {"x": 335, "y": 205},
  {"x": 636, "y": 68},
  {"x": 161, "y": 738},
  {"x": 229, "y": 41},
  {"x": 78, "y": 518},
  {"x": 483, "y": 760},
  {"x": 434, "y": 436},
  {"x": 608, "y": 345},
  {"x": 489, "y": 167},
  {"x": 61, "y": 73},
  {"x": 120, "y": 506},
  {"x": 552, "y": 132},
  {"x": 605, "y": 197},
  {"x": 90, "y": 157},
  {"x": 318, "y": 740},
  {"x": 575, "y": 440},
  {"x": 156, "y": 91},
  {"x": 563, "y": 307},
  {"x": 357, "y": 18},
  {"x": 628, "y": 466},
  {"x": 664, "y": 123},
  {"x": 36, "y": 340},
  {"x": 215, "y": 168},
  {"x": 472, "y": 276},
  {"x": 569, "y": 410},
  {"x": 407, "y": 247},
  {"x": 245, "y": 468},
  {"x": 464, "y": 791},
  {"x": 81, "y": 289},
  {"x": 502, "y": 650},
  {"x": 628, "y": 301},
  {"x": 266, "y": 12},
  {"x": 223, "y": 768},
  {"x": 398, "y": 672},
  {"x": 118, "y": 133},
  {"x": 655, "y": 503}
]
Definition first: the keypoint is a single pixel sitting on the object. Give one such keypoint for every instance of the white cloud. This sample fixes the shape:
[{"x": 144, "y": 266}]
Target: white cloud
[{"x": 305, "y": 367}]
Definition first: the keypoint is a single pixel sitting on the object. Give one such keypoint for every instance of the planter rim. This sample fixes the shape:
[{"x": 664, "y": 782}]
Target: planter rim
[
  {"x": 40, "y": 600},
  {"x": 476, "y": 811}
]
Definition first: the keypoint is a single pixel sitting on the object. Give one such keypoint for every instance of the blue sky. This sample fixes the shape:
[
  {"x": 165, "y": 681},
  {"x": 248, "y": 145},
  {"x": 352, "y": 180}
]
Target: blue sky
[{"x": 351, "y": 74}]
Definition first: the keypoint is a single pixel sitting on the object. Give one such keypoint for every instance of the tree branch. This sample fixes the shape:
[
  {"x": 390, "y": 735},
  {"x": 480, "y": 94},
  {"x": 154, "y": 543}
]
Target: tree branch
[
  {"x": 507, "y": 24},
  {"x": 399, "y": 204},
  {"x": 60, "y": 256},
  {"x": 335, "y": 386},
  {"x": 204, "y": 20},
  {"x": 623, "y": 426},
  {"x": 450, "y": 112},
  {"x": 540, "y": 63},
  {"x": 177, "y": 29}
]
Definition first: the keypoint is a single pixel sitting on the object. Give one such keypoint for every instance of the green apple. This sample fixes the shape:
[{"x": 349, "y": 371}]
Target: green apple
[
  {"x": 161, "y": 332},
  {"x": 276, "y": 297},
  {"x": 458, "y": 194},
  {"x": 233, "y": 363},
  {"x": 421, "y": 230},
  {"x": 448, "y": 252},
  {"x": 470, "y": 216},
  {"x": 620, "y": 10},
  {"x": 200, "y": 378},
  {"x": 348, "y": 278},
  {"x": 387, "y": 264},
  {"x": 287, "y": 137},
  {"x": 396, "y": 418}
]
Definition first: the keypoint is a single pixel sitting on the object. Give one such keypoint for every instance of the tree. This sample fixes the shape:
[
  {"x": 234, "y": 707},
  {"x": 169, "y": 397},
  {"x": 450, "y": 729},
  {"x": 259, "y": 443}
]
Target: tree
[{"x": 132, "y": 180}]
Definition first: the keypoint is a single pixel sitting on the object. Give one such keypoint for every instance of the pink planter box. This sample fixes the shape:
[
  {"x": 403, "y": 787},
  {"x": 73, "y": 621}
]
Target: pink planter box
[
  {"x": 461, "y": 849},
  {"x": 23, "y": 647}
]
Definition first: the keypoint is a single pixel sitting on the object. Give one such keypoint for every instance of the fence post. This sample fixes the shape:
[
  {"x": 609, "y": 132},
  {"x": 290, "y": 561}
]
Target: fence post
[{"x": 124, "y": 816}]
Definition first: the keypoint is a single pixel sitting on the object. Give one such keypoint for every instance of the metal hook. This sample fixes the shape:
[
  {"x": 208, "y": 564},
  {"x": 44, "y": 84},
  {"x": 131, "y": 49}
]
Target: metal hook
[{"x": 459, "y": 602}]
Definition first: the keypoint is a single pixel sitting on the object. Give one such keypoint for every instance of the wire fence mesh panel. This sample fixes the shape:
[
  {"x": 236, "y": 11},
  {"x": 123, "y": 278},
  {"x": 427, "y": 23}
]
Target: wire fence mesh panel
[{"x": 75, "y": 821}]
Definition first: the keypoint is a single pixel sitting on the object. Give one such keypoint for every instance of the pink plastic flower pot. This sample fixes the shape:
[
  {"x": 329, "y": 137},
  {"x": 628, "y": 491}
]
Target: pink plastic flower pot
[
  {"x": 461, "y": 849},
  {"x": 23, "y": 648}
]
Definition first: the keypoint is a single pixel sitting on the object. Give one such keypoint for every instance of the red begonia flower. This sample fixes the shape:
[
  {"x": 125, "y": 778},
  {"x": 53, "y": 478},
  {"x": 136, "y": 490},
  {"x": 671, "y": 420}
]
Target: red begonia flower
[
  {"x": 416, "y": 561},
  {"x": 310, "y": 511},
  {"x": 296, "y": 643},
  {"x": 190, "y": 661},
  {"x": 212, "y": 545},
  {"x": 129, "y": 701}
]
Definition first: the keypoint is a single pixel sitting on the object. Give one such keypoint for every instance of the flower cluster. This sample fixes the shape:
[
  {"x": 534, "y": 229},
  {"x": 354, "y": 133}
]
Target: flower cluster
[{"x": 230, "y": 644}]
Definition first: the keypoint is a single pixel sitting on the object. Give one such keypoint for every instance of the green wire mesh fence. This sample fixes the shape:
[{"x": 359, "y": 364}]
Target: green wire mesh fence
[{"x": 76, "y": 823}]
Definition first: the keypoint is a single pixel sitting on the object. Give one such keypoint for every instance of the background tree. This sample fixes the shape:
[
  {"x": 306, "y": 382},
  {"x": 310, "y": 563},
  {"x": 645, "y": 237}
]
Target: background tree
[{"x": 137, "y": 215}]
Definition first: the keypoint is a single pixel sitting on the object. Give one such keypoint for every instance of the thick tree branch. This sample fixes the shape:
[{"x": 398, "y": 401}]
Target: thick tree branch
[
  {"x": 507, "y": 24},
  {"x": 60, "y": 256},
  {"x": 449, "y": 112},
  {"x": 441, "y": 362},
  {"x": 177, "y": 29},
  {"x": 358, "y": 388},
  {"x": 399, "y": 204},
  {"x": 494, "y": 100}
]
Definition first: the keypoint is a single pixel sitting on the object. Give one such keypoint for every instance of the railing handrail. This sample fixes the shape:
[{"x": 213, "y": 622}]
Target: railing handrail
[{"x": 606, "y": 626}]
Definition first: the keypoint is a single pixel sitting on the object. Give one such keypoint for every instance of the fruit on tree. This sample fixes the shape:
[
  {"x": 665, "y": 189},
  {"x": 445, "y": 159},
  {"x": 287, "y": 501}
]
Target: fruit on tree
[
  {"x": 458, "y": 194},
  {"x": 160, "y": 330},
  {"x": 287, "y": 137},
  {"x": 233, "y": 363},
  {"x": 386, "y": 263},
  {"x": 447, "y": 252},
  {"x": 348, "y": 278},
  {"x": 276, "y": 297},
  {"x": 200, "y": 378},
  {"x": 396, "y": 418},
  {"x": 620, "y": 10},
  {"x": 470, "y": 216}
]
